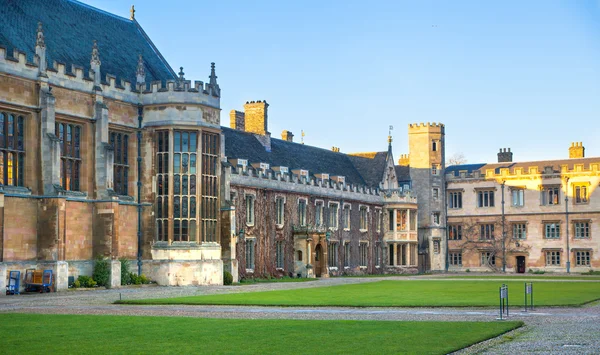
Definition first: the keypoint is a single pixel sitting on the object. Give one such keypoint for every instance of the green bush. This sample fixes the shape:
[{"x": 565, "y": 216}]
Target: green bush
[
  {"x": 139, "y": 280},
  {"x": 84, "y": 281},
  {"x": 101, "y": 272},
  {"x": 125, "y": 278},
  {"x": 468, "y": 270},
  {"x": 227, "y": 278}
]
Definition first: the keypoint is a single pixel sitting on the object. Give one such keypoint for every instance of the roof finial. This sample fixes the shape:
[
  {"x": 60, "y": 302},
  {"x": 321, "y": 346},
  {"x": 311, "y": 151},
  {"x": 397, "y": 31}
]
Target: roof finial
[
  {"x": 95, "y": 56},
  {"x": 214, "y": 87},
  {"x": 181, "y": 74},
  {"x": 132, "y": 11},
  {"x": 40, "y": 36}
]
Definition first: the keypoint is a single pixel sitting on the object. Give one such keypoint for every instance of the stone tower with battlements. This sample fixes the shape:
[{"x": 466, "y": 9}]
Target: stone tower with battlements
[{"x": 426, "y": 160}]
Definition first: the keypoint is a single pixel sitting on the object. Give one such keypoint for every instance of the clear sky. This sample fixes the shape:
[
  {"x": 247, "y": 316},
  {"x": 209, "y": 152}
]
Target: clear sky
[{"x": 518, "y": 74}]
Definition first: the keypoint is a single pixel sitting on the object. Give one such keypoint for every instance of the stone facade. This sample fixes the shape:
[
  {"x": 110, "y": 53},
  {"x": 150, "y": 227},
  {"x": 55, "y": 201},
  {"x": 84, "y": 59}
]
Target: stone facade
[
  {"x": 550, "y": 211},
  {"x": 87, "y": 144}
]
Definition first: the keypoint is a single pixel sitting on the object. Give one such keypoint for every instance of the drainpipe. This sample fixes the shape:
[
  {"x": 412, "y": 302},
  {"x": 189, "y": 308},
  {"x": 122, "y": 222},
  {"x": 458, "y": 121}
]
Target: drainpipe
[
  {"x": 447, "y": 264},
  {"x": 139, "y": 189}
]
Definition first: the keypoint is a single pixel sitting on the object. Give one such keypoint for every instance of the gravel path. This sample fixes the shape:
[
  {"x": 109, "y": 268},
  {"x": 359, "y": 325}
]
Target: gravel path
[{"x": 548, "y": 330}]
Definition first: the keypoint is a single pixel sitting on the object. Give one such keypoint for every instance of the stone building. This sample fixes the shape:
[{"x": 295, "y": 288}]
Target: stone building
[
  {"x": 106, "y": 151},
  {"x": 307, "y": 211},
  {"x": 542, "y": 215}
]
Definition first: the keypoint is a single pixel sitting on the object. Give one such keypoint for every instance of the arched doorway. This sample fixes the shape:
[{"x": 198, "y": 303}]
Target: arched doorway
[
  {"x": 520, "y": 264},
  {"x": 318, "y": 260}
]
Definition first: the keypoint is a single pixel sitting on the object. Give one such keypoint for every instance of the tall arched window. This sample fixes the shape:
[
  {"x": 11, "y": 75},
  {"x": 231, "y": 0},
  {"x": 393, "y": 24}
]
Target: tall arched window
[{"x": 12, "y": 149}]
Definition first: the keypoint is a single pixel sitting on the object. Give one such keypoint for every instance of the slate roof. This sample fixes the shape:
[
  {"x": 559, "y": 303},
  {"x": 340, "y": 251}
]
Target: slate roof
[
  {"x": 243, "y": 145},
  {"x": 541, "y": 165},
  {"x": 371, "y": 169},
  {"x": 402, "y": 173},
  {"x": 70, "y": 28}
]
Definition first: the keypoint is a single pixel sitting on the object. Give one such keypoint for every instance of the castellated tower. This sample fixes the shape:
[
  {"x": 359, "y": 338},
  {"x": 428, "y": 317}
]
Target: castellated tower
[{"x": 426, "y": 160}]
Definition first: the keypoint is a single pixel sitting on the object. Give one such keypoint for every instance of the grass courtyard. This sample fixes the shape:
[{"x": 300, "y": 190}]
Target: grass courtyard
[
  {"x": 84, "y": 334},
  {"x": 388, "y": 293}
]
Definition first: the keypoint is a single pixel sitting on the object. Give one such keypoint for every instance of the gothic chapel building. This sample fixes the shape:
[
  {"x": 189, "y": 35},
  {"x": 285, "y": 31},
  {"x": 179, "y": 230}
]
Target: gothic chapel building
[{"x": 106, "y": 151}]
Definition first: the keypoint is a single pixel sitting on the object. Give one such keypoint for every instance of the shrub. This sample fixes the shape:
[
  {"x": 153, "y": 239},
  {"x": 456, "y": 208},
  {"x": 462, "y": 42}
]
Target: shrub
[
  {"x": 84, "y": 281},
  {"x": 101, "y": 272},
  {"x": 468, "y": 270},
  {"x": 125, "y": 275},
  {"x": 138, "y": 280},
  {"x": 227, "y": 278}
]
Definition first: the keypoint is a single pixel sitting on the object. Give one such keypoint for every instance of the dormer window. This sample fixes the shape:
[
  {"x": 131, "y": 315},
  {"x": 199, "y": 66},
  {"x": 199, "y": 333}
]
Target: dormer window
[
  {"x": 303, "y": 172},
  {"x": 339, "y": 179},
  {"x": 283, "y": 169},
  {"x": 264, "y": 166},
  {"x": 325, "y": 176},
  {"x": 242, "y": 162}
]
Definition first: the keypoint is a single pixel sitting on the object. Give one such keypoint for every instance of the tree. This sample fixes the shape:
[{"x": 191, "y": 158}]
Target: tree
[
  {"x": 456, "y": 159},
  {"x": 483, "y": 237}
]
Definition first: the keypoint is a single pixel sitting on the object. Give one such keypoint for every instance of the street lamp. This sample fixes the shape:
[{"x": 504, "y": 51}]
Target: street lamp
[{"x": 503, "y": 232}]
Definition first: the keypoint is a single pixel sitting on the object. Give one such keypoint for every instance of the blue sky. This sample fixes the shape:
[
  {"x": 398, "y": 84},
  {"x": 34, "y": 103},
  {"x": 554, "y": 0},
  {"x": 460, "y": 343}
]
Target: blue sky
[{"x": 518, "y": 74}]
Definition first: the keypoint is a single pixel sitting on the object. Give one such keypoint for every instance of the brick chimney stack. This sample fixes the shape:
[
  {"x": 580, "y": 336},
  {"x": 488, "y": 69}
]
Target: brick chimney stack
[
  {"x": 287, "y": 136},
  {"x": 576, "y": 150},
  {"x": 256, "y": 117},
  {"x": 237, "y": 120},
  {"x": 505, "y": 156}
]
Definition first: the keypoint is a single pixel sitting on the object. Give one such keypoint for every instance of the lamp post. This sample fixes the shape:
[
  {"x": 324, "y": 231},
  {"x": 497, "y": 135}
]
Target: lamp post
[
  {"x": 503, "y": 232},
  {"x": 567, "y": 227}
]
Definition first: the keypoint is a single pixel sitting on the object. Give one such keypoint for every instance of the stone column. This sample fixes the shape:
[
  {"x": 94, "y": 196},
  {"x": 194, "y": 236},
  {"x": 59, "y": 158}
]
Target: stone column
[
  {"x": 115, "y": 274},
  {"x": 50, "y": 144},
  {"x": 395, "y": 246},
  {"x": 3, "y": 278},
  {"x": 104, "y": 151},
  {"x": 61, "y": 276}
]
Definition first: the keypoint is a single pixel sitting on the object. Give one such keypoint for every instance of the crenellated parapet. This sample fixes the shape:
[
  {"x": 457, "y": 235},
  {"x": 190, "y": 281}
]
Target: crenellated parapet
[
  {"x": 523, "y": 172},
  {"x": 426, "y": 127},
  {"x": 305, "y": 184},
  {"x": 74, "y": 76}
]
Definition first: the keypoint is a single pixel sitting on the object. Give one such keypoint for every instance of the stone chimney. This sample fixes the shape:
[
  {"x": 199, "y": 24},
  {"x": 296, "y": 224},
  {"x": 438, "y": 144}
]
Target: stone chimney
[
  {"x": 256, "y": 117},
  {"x": 335, "y": 149},
  {"x": 505, "y": 155},
  {"x": 237, "y": 120},
  {"x": 404, "y": 160},
  {"x": 576, "y": 150},
  {"x": 287, "y": 136}
]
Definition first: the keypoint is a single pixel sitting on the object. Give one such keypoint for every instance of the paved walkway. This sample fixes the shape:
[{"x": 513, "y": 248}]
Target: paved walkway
[{"x": 548, "y": 330}]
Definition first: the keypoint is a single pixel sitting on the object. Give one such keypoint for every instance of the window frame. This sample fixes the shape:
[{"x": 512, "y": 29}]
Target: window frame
[
  {"x": 577, "y": 189},
  {"x": 455, "y": 258},
  {"x": 552, "y": 230},
  {"x": 519, "y": 227},
  {"x": 455, "y": 231},
  {"x": 250, "y": 213},
  {"x": 302, "y": 204},
  {"x": 486, "y": 198},
  {"x": 583, "y": 258},
  {"x": 279, "y": 255},
  {"x": 279, "y": 211},
  {"x": 587, "y": 229},
  {"x": 12, "y": 150},
  {"x": 550, "y": 195},
  {"x": 333, "y": 218},
  {"x": 486, "y": 231},
  {"x": 120, "y": 142},
  {"x": 250, "y": 254},
  {"x": 455, "y": 200},
  {"x": 363, "y": 212},
  {"x": 553, "y": 257},
  {"x": 70, "y": 153},
  {"x": 363, "y": 249},
  {"x": 520, "y": 194}
]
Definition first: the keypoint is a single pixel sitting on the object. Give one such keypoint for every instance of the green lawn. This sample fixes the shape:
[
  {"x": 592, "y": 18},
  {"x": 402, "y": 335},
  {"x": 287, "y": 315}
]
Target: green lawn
[
  {"x": 83, "y": 334},
  {"x": 274, "y": 280},
  {"x": 526, "y": 277},
  {"x": 418, "y": 293}
]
